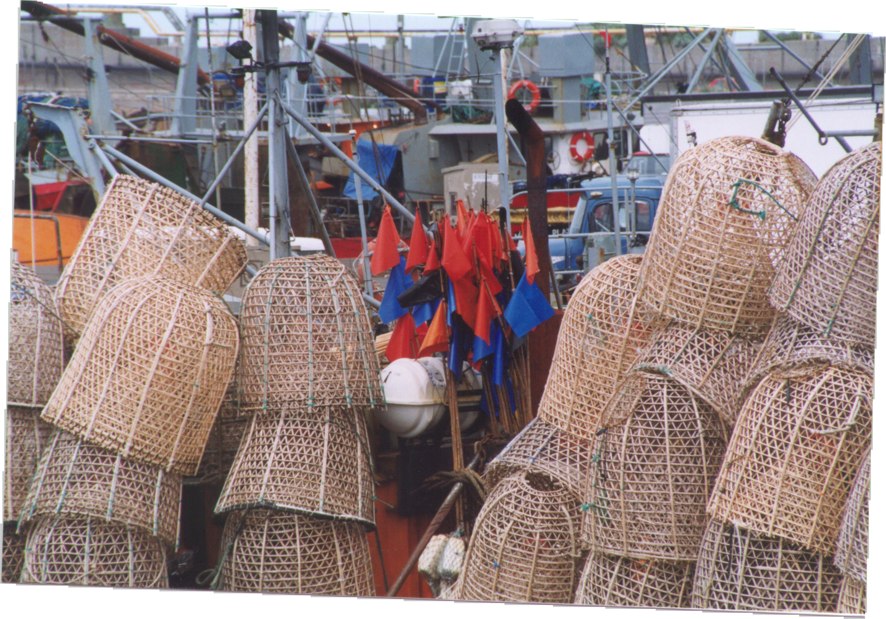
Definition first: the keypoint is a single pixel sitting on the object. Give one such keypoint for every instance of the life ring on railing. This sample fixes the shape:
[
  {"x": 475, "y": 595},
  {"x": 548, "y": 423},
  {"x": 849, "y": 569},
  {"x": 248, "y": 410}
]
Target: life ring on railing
[
  {"x": 533, "y": 90},
  {"x": 588, "y": 152}
]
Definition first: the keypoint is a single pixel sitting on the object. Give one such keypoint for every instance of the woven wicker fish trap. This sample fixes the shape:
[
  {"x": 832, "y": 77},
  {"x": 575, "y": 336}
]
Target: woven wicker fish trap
[
  {"x": 315, "y": 462},
  {"x": 798, "y": 444},
  {"x": 25, "y": 435},
  {"x": 525, "y": 545},
  {"x": 543, "y": 448},
  {"x": 13, "y": 554},
  {"x": 853, "y": 597},
  {"x": 224, "y": 441},
  {"x": 741, "y": 570},
  {"x": 828, "y": 279},
  {"x": 149, "y": 374},
  {"x": 611, "y": 580},
  {"x": 791, "y": 344},
  {"x": 36, "y": 342},
  {"x": 279, "y": 552},
  {"x": 655, "y": 464},
  {"x": 75, "y": 478},
  {"x": 852, "y": 541},
  {"x": 601, "y": 333},
  {"x": 726, "y": 215},
  {"x": 306, "y": 339},
  {"x": 140, "y": 229},
  {"x": 711, "y": 364},
  {"x": 65, "y": 550}
]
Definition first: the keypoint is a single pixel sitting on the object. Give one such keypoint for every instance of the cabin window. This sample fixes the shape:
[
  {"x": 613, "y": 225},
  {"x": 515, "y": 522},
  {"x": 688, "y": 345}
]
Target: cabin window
[{"x": 644, "y": 219}]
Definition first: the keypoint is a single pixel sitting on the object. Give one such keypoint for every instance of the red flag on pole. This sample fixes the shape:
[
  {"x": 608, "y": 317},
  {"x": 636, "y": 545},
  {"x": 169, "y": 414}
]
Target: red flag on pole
[
  {"x": 404, "y": 341},
  {"x": 437, "y": 337},
  {"x": 418, "y": 245},
  {"x": 462, "y": 220},
  {"x": 487, "y": 311},
  {"x": 385, "y": 255},
  {"x": 531, "y": 256},
  {"x": 433, "y": 260},
  {"x": 455, "y": 261}
]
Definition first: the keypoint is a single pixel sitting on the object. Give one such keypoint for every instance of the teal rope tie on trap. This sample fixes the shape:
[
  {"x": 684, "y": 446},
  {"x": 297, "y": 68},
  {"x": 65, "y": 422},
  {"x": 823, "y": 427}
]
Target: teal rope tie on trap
[{"x": 733, "y": 201}]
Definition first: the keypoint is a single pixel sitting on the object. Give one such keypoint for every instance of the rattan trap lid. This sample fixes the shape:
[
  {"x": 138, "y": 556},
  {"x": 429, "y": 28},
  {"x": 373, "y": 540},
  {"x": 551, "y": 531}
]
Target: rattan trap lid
[
  {"x": 654, "y": 466},
  {"x": 76, "y": 478},
  {"x": 149, "y": 373},
  {"x": 600, "y": 336},
  {"x": 315, "y": 462},
  {"x": 142, "y": 228},
  {"x": 72, "y": 550},
  {"x": 306, "y": 339},
  {"x": 726, "y": 214},
  {"x": 282, "y": 552},
  {"x": 525, "y": 545},
  {"x": 741, "y": 570},
  {"x": 799, "y": 441},
  {"x": 36, "y": 342},
  {"x": 611, "y": 580},
  {"x": 851, "y": 554},
  {"x": 828, "y": 279},
  {"x": 25, "y": 436}
]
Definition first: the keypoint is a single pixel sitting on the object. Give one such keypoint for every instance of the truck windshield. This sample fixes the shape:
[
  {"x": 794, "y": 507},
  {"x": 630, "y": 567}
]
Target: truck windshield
[{"x": 600, "y": 218}]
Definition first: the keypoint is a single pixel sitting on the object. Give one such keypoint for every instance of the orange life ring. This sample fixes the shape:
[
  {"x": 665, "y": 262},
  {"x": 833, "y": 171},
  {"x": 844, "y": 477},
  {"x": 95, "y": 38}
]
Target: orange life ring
[
  {"x": 588, "y": 139},
  {"x": 533, "y": 90}
]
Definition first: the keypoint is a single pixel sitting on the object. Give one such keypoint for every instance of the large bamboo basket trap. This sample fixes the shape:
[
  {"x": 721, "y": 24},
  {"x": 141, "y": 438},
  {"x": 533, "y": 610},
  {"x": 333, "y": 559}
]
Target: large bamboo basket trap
[
  {"x": 13, "y": 554},
  {"x": 25, "y": 436},
  {"x": 78, "y": 479},
  {"x": 713, "y": 365},
  {"x": 223, "y": 442},
  {"x": 36, "y": 340},
  {"x": 612, "y": 580},
  {"x": 314, "y": 462},
  {"x": 543, "y": 448},
  {"x": 655, "y": 463},
  {"x": 306, "y": 339},
  {"x": 601, "y": 333},
  {"x": 741, "y": 570},
  {"x": 149, "y": 373},
  {"x": 828, "y": 279},
  {"x": 726, "y": 215},
  {"x": 67, "y": 550},
  {"x": 280, "y": 552},
  {"x": 799, "y": 441},
  {"x": 141, "y": 228},
  {"x": 525, "y": 545},
  {"x": 853, "y": 597},
  {"x": 851, "y": 554}
]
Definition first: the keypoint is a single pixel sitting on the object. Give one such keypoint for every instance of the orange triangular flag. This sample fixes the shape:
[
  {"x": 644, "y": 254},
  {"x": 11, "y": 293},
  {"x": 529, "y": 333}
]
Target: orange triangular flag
[
  {"x": 433, "y": 259},
  {"x": 455, "y": 261},
  {"x": 418, "y": 245},
  {"x": 465, "y": 299},
  {"x": 385, "y": 255},
  {"x": 487, "y": 310},
  {"x": 403, "y": 342},
  {"x": 531, "y": 257},
  {"x": 437, "y": 337},
  {"x": 462, "y": 220}
]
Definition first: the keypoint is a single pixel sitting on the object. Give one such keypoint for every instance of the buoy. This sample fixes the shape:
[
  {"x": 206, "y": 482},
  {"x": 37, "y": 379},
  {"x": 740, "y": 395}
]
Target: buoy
[
  {"x": 533, "y": 90},
  {"x": 584, "y": 155}
]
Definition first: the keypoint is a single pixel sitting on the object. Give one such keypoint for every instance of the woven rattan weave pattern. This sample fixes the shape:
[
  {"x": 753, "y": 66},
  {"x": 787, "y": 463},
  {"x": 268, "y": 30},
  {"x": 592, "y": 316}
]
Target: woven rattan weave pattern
[
  {"x": 791, "y": 344},
  {"x": 142, "y": 228},
  {"x": 610, "y": 580},
  {"x": 828, "y": 279},
  {"x": 315, "y": 462},
  {"x": 149, "y": 373},
  {"x": 544, "y": 448},
  {"x": 13, "y": 554},
  {"x": 853, "y": 597},
  {"x": 76, "y": 478},
  {"x": 799, "y": 441},
  {"x": 66, "y": 550},
  {"x": 726, "y": 214},
  {"x": 740, "y": 570},
  {"x": 525, "y": 545},
  {"x": 711, "y": 364},
  {"x": 306, "y": 339},
  {"x": 223, "y": 442},
  {"x": 25, "y": 436},
  {"x": 599, "y": 338},
  {"x": 36, "y": 343},
  {"x": 281, "y": 552},
  {"x": 852, "y": 541},
  {"x": 654, "y": 468}
]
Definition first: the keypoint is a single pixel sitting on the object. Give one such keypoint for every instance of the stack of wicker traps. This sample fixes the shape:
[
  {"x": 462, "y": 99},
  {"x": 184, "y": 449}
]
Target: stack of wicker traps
[
  {"x": 303, "y": 473},
  {"x": 851, "y": 553},
  {"x": 525, "y": 543},
  {"x": 727, "y": 212},
  {"x": 149, "y": 373},
  {"x": 142, "y": 228},
  {"x": 611, "y": 580},
  {"x": 223, "y": 442}
]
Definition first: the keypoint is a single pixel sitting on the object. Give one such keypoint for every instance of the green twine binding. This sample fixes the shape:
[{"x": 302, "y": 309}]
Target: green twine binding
[{"x": 733, "y": 201}]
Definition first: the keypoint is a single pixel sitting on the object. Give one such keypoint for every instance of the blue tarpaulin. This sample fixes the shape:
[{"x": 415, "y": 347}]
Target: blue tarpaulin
[{"x": 366, "y": 152}]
